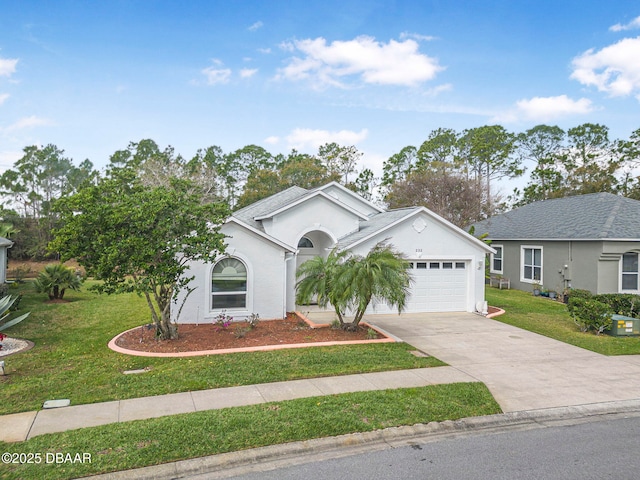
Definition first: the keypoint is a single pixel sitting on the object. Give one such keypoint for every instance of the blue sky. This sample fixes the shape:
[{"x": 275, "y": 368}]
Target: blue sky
[{"x": 91, "y": 76}]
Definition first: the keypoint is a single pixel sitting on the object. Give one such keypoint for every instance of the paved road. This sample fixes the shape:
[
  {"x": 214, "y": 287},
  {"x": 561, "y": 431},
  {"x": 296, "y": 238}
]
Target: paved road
[
  {"x": 523, "y": 370},
  {"x": 597, "y": 450}
]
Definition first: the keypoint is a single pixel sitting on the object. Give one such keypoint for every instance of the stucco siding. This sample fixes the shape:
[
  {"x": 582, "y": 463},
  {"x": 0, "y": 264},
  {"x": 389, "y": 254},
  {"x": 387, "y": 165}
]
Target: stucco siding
[
  {"x": 265, "y": 262},
  {"x": 318, "y": 214}
]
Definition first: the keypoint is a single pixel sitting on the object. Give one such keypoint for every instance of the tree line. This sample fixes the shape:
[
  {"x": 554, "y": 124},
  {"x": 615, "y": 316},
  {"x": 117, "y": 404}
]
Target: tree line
[{"x": 452, "y": 173}]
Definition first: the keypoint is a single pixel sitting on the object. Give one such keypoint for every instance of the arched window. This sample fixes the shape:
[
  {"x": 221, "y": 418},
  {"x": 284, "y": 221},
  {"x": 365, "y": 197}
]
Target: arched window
[
  {"x": 305, "y": 243},
  {"x": 229, "y": 284},
  {"x": 630, "y": 272}
]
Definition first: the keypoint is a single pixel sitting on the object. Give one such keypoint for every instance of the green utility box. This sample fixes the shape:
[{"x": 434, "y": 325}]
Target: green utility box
[{"x": 622, "y": 326}]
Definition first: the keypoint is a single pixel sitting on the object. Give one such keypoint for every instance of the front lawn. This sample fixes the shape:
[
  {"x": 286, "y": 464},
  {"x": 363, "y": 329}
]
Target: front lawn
[
  {"x": 550, "y": 318},
  {"x": 71, "y": 359}
]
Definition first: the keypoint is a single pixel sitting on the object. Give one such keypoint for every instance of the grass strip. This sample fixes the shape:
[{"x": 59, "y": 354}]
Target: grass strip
[{"x": 151, "y": 442}]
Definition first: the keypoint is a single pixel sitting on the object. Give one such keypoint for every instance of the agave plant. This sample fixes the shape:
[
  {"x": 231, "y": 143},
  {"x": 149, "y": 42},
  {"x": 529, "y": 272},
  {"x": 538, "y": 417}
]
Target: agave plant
[
  {"x": 5, "y": 306},
  {"x": 55, "y": 279}
]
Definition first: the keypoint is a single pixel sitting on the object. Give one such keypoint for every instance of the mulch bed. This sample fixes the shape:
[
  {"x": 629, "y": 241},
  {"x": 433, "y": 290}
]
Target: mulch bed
[{"x": 193, "y": 338}]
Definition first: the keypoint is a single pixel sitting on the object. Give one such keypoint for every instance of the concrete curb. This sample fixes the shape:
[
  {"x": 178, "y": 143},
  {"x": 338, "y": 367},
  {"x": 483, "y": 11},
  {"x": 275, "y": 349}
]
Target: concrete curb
[{"x": 278, "y": 456}]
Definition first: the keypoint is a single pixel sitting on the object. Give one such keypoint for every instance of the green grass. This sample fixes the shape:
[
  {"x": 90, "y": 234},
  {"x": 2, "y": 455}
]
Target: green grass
[
  {"x": 150, "y": 442},
  {"x": 550, "y": 318},
  {"x": 71, "y": 358}
]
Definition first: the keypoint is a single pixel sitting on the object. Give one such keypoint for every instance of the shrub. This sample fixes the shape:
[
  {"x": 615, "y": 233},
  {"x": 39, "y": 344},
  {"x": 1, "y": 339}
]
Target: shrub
[
  {"x": 253, "y": 320},
  {"x": 55, "y": 279},
  {"x": 621, "y": 303},
  {"x": 590, "y": 314},
  {"x": 6, "y": 304}
]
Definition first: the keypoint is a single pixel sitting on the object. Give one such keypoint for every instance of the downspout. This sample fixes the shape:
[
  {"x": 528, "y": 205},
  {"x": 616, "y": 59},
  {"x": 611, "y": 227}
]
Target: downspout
[{"x": 287, "y": 258}]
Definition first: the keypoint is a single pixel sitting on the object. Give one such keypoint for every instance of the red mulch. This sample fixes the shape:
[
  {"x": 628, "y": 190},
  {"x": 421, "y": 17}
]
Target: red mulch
[{"x": 193, "y": 338}]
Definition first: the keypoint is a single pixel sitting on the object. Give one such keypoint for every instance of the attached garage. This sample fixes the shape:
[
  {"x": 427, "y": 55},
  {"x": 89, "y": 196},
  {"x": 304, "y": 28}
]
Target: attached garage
[{"x": 438, "y": 286}]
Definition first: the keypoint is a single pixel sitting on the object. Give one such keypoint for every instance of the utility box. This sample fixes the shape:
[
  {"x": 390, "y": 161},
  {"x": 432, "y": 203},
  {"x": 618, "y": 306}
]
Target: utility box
[{"x": 622, "y": 326}]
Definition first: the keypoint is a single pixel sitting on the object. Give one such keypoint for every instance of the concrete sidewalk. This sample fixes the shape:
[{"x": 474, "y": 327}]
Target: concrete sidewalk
[{"x": 22, "y": 426}]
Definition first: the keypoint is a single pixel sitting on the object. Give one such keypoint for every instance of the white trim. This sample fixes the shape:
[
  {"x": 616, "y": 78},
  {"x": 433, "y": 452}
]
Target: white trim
[
  {"x": 491, "y": 258},
  {"x": 248, "y": 308},
  {"x": 262, "y": 234},
  {"x": 353, "y": 194},
  {"x": 528, "y": 280},
  {"x": 620, "y": 272},
  {"x": 435, "y": 217},
  {"x": 305, "y": 199}
]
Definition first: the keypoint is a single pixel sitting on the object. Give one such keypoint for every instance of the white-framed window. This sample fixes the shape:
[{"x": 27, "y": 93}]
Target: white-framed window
[
  {"x": 629, "y": 273},
  {"x": 530, "y": 264},
  {"x": 496, "y": 259},
  {"x": 305, "y": 242},
  {"x": 229, "y": 284}
]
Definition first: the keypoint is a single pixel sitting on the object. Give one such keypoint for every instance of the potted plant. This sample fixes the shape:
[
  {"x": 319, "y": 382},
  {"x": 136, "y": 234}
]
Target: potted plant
[
  {"x": 536, "y": 288},
  {"x": 552, "y": 294}
]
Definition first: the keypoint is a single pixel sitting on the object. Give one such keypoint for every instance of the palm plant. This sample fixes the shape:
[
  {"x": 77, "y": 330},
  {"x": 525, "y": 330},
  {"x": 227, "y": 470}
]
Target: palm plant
[
  {"x": 350, "y": 282},
  {"x": 5, "y": 306},
  {"x": 55, "y": 279}
]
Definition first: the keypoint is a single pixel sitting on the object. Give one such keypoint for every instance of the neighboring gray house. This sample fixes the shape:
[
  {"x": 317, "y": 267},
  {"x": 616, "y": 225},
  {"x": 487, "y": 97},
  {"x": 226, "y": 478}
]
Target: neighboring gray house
[
  {"x": 5, "y": 245},
  {"x": 268, "y": 240},
  {"x": 590, "y": 242}
]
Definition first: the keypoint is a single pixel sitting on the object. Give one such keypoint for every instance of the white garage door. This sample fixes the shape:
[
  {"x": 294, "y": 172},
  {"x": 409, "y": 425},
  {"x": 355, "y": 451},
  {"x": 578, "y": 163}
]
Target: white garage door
[{"x": 438, "y": 286}]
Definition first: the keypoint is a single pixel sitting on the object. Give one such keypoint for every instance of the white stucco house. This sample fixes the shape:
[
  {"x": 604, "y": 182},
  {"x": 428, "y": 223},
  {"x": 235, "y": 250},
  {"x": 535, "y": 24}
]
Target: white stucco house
[{"x": 268, "y": 240}]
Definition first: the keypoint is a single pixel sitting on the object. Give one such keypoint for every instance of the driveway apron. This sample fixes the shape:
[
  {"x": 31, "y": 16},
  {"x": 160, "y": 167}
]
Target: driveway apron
[{"x": 523, "y": 370}]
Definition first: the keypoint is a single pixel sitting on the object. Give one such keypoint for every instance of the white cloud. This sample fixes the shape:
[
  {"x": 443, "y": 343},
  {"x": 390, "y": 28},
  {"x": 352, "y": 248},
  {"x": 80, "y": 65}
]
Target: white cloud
[
  {"x": 417, "y": 36},
  {"x": 544, "y": 109},
  {"x": 273, "y": 140},
  {"x": 307, "y": 138},
  {"x": 216, "y": 75},
  {"x": 256, "y": 26},
  {"x": 549, "y": 108},
  {"x": 635, "y": 23},
  {"x": 7, "y": 66},
  {"x": 266, "y": 51},
  {"x": 3, "y": 97},
  {"x": 393, "y": 63},
  {"x": 614, "y": 69},
  {"x": 248, "y": 72},
  {"x": 27, "y": 122}
]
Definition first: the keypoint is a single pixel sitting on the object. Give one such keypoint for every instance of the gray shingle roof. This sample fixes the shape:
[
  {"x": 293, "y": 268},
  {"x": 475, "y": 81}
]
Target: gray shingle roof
[
  {"x": 581, "y": 217},
  {"x": 267, "y": 205},
  {"x": 375, "y": 223}
]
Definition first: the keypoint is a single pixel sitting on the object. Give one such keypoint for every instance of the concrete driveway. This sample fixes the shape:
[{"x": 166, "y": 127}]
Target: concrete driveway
[{"x": 523, "y": 370}]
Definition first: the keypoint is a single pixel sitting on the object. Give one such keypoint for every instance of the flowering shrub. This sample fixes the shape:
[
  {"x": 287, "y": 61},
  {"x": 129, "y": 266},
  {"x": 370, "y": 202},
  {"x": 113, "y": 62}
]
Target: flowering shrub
[{"x": 222, "y": 321}]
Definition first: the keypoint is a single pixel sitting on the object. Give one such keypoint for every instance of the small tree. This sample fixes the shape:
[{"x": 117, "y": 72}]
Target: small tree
[
  {"x": 55, "y": 279},
  {"x": 140, "y": 239},
  {"x": 349, "y": 282}
]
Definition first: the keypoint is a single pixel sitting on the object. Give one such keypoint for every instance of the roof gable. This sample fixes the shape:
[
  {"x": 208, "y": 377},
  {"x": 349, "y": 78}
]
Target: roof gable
[
  {"x": 305, "y": 198},
  {"x": 596, "y": 216},
  {"x": 385, "y": 221}
]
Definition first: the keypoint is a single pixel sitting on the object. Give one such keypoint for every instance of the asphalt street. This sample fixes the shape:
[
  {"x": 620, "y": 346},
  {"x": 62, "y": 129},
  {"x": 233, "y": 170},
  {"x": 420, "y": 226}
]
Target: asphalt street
[{"x": 605, "y": 449}]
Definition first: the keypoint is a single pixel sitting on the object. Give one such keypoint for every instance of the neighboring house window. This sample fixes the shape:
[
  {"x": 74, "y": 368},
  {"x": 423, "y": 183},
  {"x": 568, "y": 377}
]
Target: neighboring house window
[
  {"x": 229, "y": 284},
  {"x": 496, "y": 259},
  {"x": 531, "y": 264},
  {"x": 630, "y": 272},
  {"x": 305, "y": 243}
]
